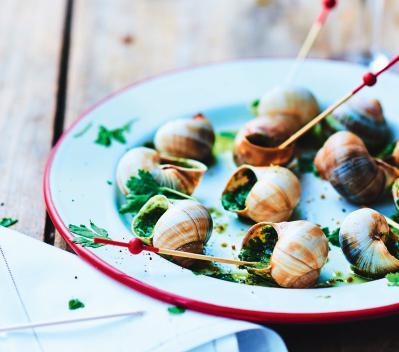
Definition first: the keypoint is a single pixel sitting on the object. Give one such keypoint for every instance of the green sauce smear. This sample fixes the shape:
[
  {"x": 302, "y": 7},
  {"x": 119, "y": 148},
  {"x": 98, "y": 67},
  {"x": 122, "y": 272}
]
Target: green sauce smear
[{"x": 146, "y": 220}]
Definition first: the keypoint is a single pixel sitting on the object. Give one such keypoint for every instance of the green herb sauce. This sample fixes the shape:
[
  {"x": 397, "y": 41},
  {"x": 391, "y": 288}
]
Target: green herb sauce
[
  {"x": 236, "y": 197},
  {"x": 147, "y": 218}
]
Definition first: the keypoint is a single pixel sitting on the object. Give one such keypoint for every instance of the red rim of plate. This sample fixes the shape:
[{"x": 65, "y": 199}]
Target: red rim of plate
[{"x": 203, "y": 307}]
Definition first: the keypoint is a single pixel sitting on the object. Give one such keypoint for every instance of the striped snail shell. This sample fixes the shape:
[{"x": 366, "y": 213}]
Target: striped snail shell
[
  {"x": 282, "y": 111},
  {"x": 183, "y": 225},
  {"x": 299, "y": 253},
  {"x": 345, "y": 162},
  {"x": 181, "y": 174},
  {"x": 368, "y": 243},
  {"x": 186, "y": 138},
  {"x": 262, "y": 193},
  {"x": 365, "y": 118},
  {"x": 290, "y": 101}
]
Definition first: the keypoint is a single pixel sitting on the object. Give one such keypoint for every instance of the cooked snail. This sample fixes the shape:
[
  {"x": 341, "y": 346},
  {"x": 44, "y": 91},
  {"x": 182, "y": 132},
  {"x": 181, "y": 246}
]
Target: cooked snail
[
  {"x": 293, "y": 252},
  {"x": 262, "y": 193},
  {"x": 345, "y": 162},
  {"x": 186, "y": 138},
  {"x": 368, "y": 243},
  {"x": 183, "y": 225},
  {"x": 177, "y": 173},
  {"x": 363, "y": 117},
  {"x": 281, "y": 112}
]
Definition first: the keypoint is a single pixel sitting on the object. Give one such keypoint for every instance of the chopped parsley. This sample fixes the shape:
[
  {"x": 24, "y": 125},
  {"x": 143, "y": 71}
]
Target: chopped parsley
[
  {"x": 260, "y": 248},
  {"x": 235, "y": 198},
  {"x": 7, "y": 222},
  {"x": 306, "y": 165},
  {"x": 393, "y": 279},
  {"x": 109, "y": 182},
  {"x": 176, "y": 310},
  {"x": 332, "y": 236},
  {"x": 387, "y": 151},
  {"x": 142, "y": 188},
  {"x": 105, "y": 136},
  {"x": 84, "y": 235},
  {"x": 75, "y": 304},
  {"x": 147, "y": 218},
  {"x": 253, "y": 107}
]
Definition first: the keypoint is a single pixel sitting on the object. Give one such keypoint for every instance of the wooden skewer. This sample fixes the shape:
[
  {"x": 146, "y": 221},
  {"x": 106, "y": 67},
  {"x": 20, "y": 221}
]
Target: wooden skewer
[
  {"x": 369, "y": 79},
  {"x": 68, "y": 321},
  {"x": 136, "y": 246},
  {"x": 311, "y": 37},
  {"x": 315, "y": 121}
]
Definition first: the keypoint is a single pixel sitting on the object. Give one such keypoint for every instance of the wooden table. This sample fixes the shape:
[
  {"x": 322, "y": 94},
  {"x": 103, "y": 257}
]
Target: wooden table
[{"x": 57, "y": 57}]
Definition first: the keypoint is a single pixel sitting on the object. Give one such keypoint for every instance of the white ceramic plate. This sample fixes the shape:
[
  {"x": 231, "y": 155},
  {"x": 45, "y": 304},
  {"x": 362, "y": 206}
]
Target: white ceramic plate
[{"x": 76, "y": 189}]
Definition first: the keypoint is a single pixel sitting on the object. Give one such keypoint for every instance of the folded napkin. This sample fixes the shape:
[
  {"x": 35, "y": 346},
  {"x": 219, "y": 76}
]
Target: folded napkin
[{"x": 47, "y": 278}]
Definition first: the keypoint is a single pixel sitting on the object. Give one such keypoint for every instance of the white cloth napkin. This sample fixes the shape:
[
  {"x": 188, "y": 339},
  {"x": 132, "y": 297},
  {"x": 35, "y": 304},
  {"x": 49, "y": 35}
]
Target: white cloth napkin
[{"x": 47, "y": 278}]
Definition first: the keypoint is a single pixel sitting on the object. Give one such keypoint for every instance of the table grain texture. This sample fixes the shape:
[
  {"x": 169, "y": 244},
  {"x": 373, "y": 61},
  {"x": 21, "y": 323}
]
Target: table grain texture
[{"x": 58, "y": 57}]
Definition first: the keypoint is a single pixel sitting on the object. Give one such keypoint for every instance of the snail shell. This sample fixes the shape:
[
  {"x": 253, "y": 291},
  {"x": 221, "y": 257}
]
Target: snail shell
[
  {"x": 186, "y": 138},
  {"x": 365, "y": 118},
  {"x": 291, "y": 101},
  {"x": 282, "y": 111},
  {"x": 273, "y": 193},
  {"x": 299, "y": 254},
  {"x": 365, "y": 237},
  {"x": 181, "y": 174},
  {"x": 346, "y": 163},
  {"x": 255, "y": 144},
  {"x": 184, "y": 225}
]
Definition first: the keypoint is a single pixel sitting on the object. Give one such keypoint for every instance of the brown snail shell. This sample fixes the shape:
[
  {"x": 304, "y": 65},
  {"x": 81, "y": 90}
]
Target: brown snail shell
[
  {"x": 281, "y": 112},
  {"x": 186, "y": 138},
  {"x": 299, "y": 254},
  {"x": 345, "y": 162},
  {"x": 183, "y": 225},
  {"x": 253, "y": 149},
  {"x": 273, "y": 193},
  {"x": 294, "y": 101},
  {"x": 365, "y": 239},
  {"x": 365, "y": 118},
  {"x": 181, "y": 174}
]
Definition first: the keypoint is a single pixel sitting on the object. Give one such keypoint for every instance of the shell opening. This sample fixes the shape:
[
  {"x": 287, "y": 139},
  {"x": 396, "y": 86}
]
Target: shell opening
[
  {"x": 261, "y": 140},
  {"x": 237, "y": 190},
  {"x": 144, "y": 222},
  {"x": 259, "y": 247},
  {"x": 180, "y": 162}
]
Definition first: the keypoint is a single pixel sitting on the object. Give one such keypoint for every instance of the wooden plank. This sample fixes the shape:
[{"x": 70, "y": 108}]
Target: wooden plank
[{"x": 30, "y": 41}]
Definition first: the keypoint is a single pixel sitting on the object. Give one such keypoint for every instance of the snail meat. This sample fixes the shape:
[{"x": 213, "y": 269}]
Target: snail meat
[
  {"x": 262, "y": 193},
  {"x": 183, "y": 225},
  {"x": 293, "y": 253},
  {"x": 368, "y": 243}
]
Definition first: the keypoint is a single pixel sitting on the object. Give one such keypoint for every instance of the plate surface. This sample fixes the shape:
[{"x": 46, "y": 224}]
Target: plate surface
[{"x": 77, "y": 189}]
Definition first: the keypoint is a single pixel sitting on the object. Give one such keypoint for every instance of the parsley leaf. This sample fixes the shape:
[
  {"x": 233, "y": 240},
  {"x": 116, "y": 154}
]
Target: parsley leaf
[
  {"x": 393, "y": 279},
  {"x": 253, "y": 107},
  {"x": 75, "y": 304},
  {"x": 387, "y": 151},
  {"x": 84, "y": 235},
  {"x": 332, "y": 236},
  {"x": 7, "y": 222},
  {"x": 105, "y": 136},
  {"x": 176, "y": 310},
  {"x": 142, "y": 188}
]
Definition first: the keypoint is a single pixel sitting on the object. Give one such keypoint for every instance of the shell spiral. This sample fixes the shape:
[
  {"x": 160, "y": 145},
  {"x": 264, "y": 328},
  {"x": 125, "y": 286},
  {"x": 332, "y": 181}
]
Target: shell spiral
[
  {"x": 186, "y": 138},
  {"x": 364, "y": 235},
  {"x": 345, "y": 162}
]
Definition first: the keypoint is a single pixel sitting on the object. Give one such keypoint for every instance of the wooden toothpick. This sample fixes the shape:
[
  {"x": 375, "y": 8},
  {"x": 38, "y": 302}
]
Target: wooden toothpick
[
  {"x": 369, "y": 79},
  {"x": 68, "y": 321},
  {"x": 136, "y": 246},
  {"x": 310, "y": 39}
]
